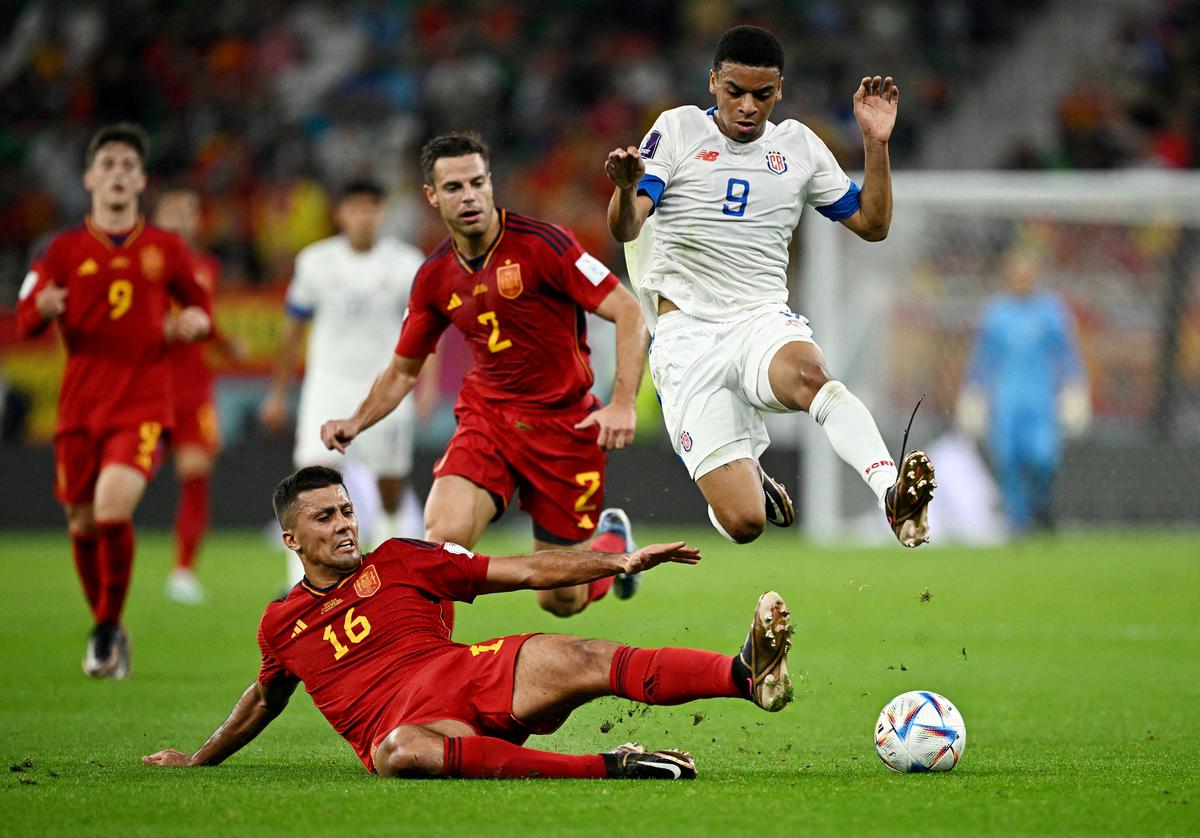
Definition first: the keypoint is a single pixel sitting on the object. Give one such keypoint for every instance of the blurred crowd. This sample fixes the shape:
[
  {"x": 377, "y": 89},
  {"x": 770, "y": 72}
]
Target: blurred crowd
[
  {"x": 264, "y": 106},
  {"x": 1139, "y": 105}
]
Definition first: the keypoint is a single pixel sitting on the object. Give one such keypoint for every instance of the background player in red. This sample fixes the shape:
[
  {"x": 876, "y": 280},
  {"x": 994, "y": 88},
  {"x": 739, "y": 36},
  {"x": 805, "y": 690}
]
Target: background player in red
[
  {"x": 366, "y": 635},
  {"x": 109, "y": 284},
  {"x": 195, "y": 440},
  {"x": 518, "y": 289}
]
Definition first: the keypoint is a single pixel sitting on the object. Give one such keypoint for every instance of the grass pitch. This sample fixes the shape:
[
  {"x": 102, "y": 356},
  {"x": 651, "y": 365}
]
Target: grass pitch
[{"x": 1075, "y": 662}]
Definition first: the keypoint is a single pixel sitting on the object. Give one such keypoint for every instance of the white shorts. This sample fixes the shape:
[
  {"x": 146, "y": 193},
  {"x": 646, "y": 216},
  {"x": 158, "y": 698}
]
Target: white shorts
[
  {"x": 385, "y": 448},
  {"x": 712, "y": 382}
]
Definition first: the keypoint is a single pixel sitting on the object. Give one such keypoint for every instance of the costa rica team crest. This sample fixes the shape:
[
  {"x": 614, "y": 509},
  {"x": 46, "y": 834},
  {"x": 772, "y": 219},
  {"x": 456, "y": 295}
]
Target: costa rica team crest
[
  {"x": 508, "y": 281},
  {"x": 368, "y": 583},
  {"x": 776, "y": 162},
  {"x": 685, "y": 441}
]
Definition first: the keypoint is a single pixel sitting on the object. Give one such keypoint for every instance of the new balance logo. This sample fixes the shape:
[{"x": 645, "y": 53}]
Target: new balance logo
[{"x": 707, "y": 156}]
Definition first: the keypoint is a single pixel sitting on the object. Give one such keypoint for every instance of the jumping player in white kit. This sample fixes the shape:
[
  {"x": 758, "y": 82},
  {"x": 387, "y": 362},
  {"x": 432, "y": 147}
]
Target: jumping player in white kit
[
  {"x": 350, "y": 292},
  {"x": 707, "y": 207}
]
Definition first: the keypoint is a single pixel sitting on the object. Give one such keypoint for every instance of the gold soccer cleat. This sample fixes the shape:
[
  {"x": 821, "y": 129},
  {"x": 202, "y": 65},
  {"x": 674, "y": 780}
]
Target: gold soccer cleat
[
  {"x": 765, "y": 653},
  {"x": 907, "y": 501}
]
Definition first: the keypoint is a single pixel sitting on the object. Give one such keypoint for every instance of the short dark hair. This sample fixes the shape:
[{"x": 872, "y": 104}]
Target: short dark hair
[
  {"x": 454, "y": 144},
  {"x": 749, "y": 45},
  {"x": 290, "y": 488},
  {"x": 362, "y": 186},
  {"x": 118, "y": 132}
]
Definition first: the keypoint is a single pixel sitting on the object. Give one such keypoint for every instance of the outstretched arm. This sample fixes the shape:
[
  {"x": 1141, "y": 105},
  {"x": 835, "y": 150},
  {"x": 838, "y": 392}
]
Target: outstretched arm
[
  {"x": 627, "y": 210},
  {"x": 256, "y": 709},
  {"x": 562, "y": 568},
  {"x": 876, "y": 103},
  {"x": 390, "y": 387},
  {"x": 618, "y": 419}
]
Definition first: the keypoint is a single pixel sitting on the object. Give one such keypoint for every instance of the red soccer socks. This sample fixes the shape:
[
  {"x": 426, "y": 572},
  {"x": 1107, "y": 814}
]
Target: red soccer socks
[
  {"x": 85, "y": 548},
  {"x": 671, "y": 676},
  {"x": 191, "y": 519},
  {"x": 484, "y": 757},
  {"x": 116, "y": 566},
  {"x": 609, "y": 542}
]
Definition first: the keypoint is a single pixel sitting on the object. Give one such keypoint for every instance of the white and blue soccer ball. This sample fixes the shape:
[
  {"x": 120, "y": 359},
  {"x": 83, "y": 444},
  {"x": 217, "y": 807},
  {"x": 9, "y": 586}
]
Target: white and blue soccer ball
[{"x": 920, "y": 731}]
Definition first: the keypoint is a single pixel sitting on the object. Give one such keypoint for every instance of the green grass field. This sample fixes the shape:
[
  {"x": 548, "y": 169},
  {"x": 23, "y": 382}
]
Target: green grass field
[{"x": 1076, "y": 664}]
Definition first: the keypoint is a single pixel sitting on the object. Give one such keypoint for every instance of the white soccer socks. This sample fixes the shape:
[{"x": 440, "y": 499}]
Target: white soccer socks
[{"x": 854, "y": 436}]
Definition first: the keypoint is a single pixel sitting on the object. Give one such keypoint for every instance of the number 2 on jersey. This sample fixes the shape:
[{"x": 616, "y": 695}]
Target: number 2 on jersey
[
  {"x": 494, "y": 342},
  {"x": 737, "y": 192}
]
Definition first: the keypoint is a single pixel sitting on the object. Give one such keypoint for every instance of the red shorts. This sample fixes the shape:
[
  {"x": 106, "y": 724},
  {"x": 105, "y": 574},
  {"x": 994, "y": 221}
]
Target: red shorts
[
  {"x": 80, "y": 454},
  {"x": 196, "y": 425},
  {"x": 470, "y": 684},
  {"x": 559, "y": 470}
]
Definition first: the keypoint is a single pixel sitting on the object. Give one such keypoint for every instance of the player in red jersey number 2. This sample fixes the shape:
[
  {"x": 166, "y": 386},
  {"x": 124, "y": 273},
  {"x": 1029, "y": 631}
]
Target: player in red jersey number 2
[
  {"x": 367, "y": 637},
  {"x": 518, "y": 290},
  {"x": 109, "y": 284}
]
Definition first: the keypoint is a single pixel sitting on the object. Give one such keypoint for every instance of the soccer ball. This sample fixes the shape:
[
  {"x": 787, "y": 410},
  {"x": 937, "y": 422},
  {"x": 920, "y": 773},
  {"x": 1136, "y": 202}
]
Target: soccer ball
[{"x": 920, "y": 731}]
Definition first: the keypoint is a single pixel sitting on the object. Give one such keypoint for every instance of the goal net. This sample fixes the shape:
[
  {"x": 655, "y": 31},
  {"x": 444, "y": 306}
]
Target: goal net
[{"x": 896, "y": 320}]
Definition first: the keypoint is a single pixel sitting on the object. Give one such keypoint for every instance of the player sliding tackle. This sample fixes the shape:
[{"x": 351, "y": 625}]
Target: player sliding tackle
[
  {"x": 725, "y": 188},
  {"x": 366, "y": 636}
]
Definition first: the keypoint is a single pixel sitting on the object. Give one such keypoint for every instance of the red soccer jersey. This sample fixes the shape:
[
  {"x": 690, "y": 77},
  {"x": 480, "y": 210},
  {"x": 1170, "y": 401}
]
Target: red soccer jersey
[
  {"x": 355, "y": 644},
  {"x": 190, "y": 372},
  {"x": 521, "y": 310},
  {"x": 117, "y": 299}
]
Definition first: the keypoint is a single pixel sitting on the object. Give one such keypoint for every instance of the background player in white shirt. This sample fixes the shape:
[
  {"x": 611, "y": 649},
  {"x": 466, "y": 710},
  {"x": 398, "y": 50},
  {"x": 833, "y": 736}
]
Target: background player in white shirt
[
  {"x": 353, "y": 289},
  {"x": 725, "y": 188}
]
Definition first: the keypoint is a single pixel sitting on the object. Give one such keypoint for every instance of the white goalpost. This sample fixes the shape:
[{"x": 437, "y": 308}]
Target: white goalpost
[{"x": 895, "y": 320}]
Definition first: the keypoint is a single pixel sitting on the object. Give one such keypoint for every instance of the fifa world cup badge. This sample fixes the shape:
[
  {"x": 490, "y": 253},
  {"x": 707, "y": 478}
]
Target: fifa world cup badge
[{"x": 368, "y": 583}]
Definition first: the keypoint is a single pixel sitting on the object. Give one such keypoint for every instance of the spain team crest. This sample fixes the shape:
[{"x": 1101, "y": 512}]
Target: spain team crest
[
  {"x": 367, "y": 583},
  {"x": 152, "y": 262},
  {"x": 508, "y": 281},
  {"x": 776, "y": 162}
]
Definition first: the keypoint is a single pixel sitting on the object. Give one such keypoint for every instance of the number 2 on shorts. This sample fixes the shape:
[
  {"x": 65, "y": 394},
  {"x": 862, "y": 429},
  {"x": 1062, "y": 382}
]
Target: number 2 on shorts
[{"x": 590, "y": 481}]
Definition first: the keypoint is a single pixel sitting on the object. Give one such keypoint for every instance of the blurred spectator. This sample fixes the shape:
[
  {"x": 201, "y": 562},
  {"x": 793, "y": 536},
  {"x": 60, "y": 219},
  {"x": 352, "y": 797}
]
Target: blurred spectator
[
  {"x": 1142, "y": 108},
  {"x": 258, "y": 104}
]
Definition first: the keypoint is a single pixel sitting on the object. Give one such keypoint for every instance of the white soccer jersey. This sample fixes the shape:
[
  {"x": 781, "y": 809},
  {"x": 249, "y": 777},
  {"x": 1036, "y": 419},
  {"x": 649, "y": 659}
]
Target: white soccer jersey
[
  {"x": 725, "y": 212},
  {"x": 356, "y": 302}
]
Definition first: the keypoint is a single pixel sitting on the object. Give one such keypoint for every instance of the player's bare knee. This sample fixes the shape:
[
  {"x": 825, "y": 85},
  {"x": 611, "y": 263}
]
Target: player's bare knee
[
  {"x": 443, "y": 527},
  {"x": 80, "y": 519},
  {"x": 409, "y": 751},
  {"x": 806, "y": 379},
  {"x": 563, "y": 602},
  {"x": 743, "y": 525},
  {"x": 594, "y": 656}
]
